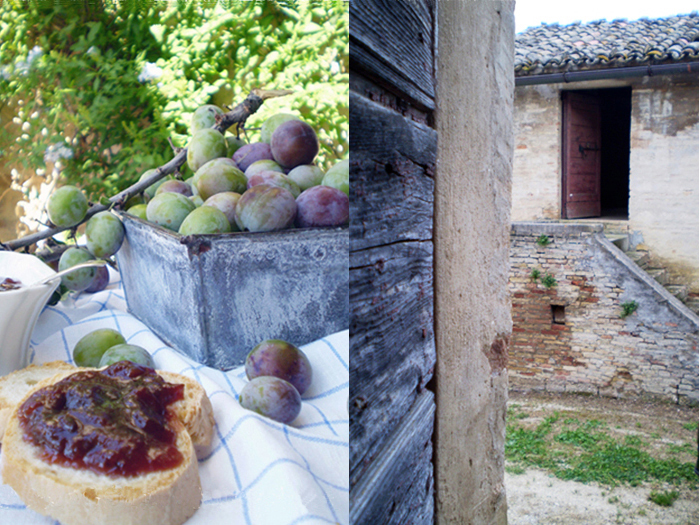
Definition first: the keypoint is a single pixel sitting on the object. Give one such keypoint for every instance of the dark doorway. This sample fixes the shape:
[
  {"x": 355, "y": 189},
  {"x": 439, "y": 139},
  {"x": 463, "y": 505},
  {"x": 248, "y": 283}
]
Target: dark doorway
[{"x": 615, "y": 106}]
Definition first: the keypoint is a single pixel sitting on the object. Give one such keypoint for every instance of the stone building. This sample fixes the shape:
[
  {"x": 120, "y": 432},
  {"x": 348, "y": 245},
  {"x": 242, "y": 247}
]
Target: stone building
[
  {"x": 606, "y": 125},
  {"x": 604, "y": 241}
]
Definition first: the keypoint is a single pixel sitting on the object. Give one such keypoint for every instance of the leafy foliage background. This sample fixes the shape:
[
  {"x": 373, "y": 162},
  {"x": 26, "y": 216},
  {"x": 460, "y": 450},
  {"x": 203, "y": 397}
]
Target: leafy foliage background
[{"x": 96, "y": 88}]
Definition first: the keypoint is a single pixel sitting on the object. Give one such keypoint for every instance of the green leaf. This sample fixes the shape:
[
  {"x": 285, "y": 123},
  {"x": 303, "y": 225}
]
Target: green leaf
[{"x": 95, "y": 28}]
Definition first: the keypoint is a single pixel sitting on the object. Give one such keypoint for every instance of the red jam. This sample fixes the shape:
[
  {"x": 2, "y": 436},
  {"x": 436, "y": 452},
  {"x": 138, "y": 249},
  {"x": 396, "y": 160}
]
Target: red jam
[
  {"x": 9, "y": 284},
  {"x": 114, "y": 421}
]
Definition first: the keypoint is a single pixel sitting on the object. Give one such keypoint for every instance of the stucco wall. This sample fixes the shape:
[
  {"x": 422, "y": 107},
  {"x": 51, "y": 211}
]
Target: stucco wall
[
  {"x": 664, "y": 169},
  {"x": 664, "y": 166},
  {"x": 472, "y": 215},
  {"x": 592, "y": 348}
]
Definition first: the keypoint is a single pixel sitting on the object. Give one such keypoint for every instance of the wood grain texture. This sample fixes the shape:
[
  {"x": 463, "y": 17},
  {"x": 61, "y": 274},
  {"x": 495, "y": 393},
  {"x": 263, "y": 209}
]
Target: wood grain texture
[
  {"x": 397, "y": 488},
  {"x": 392, "y": 343},
  {"x": 393, "y": 42},
  {"x": 391, "y": 168},
  {"x": 391, "y": 340}
]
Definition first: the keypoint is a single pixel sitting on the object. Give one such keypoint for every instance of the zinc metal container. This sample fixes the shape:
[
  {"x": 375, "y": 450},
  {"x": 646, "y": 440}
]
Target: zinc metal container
[{"x": 214, "y": 297}]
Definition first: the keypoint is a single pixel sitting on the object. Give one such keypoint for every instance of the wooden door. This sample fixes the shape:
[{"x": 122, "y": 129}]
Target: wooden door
[
  {"x": 581, "y": 156},
  {"x": 393, "y": 148}
]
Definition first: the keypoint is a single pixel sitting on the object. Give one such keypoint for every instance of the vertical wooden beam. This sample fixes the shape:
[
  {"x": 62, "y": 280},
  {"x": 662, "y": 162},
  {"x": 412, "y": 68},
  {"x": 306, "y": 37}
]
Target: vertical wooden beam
[{"x": 472, "y": 214}]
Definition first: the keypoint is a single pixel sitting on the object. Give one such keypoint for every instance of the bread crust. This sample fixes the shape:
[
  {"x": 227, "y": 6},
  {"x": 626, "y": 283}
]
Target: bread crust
[
  {"x": 13, "y": 386},
  {"x": 83, "y": 497}
]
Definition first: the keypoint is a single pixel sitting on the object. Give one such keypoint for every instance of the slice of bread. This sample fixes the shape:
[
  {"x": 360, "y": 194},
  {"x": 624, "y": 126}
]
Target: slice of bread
[
  {"x": 195, "y": 410},
  {"x": 83, "y": 497}
]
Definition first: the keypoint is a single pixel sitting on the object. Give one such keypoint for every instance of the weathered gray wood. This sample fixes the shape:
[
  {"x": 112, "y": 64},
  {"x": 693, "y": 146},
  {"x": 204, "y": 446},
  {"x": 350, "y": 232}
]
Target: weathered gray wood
[
  {"x": 380, "y": 132},
  {"x": 393, "y": 42},
  {"x": 418, "y": 504},
  {"x": 397, "y": 488},
  {"x": 392, "y": 164},
  {"x": 391, "y": 340}
]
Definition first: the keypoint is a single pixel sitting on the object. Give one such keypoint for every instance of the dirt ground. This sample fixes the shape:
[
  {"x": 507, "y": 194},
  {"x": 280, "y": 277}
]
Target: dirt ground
[{"x": 536, "y": 497}]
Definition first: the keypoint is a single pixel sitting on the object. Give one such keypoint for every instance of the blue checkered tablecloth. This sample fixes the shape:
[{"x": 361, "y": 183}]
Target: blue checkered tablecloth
[{"x": 257, "y": 471}]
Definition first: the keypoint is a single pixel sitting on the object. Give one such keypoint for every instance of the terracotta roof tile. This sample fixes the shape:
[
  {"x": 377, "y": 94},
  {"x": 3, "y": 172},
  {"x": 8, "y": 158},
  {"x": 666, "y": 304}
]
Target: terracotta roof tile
[{"x": 556, "y": 48}]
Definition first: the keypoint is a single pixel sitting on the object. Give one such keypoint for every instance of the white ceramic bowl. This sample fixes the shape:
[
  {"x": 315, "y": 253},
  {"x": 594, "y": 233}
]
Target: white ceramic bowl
[{"x": 20, "y": 309}]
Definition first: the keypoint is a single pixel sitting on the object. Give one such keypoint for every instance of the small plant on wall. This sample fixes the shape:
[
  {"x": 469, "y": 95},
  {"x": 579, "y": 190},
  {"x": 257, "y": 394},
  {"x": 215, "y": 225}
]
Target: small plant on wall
[
  {"x": 543, "y": 240},
  {"x": 535, "y": 274},
  {"x": 628, "y": 308},
  {"x": 548, "y": 281}
]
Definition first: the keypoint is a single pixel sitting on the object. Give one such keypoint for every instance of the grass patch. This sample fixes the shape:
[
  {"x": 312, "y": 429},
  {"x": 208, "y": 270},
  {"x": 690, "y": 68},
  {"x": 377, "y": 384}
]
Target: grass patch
[
  {"x": 588, "y": 450},
  {"x": 615, "y": 463},
  {"x": 665, "y": 499},
  {"x": 685, "y": 448},
  {"x": 693, "y": 425},
  {"x": 515, "y": 469}
]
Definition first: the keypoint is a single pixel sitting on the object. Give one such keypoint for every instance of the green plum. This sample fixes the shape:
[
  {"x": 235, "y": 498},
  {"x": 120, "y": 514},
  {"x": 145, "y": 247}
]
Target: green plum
[
  {"x": 225, "y": 202},
  {"x": 89, "y": 350},
  {"x": 219, "y": 175},
  {"x": 275, "y": 178},
  {"x": 263, "y": 165},
  {"x": 138, "y": 210},
  {"x": 205, "y": 117},
  {"x": 67, "y": 206},
  {"x": 233, "y": 144},
  {"x": 338, "y": 176},
  {"x": 121, "y": 352},
  {"x": 169, "y": 210},
  {"x": 205, "y": 145},
  {"x": 265, "y": 208},
  {"x": 78, "y": 280},
  {"x": 306, "y": 176},
  {"x": 205, "y": 220},
  {"x": 105, "y": 234}
]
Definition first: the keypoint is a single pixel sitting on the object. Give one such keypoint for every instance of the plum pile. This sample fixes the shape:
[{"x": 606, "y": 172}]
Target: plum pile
[
  {"x": 104, "y": 235},
  {"x": 268, "y": 185},
  {"x": 279, "y": 374},
  {"x": 259, "y": 187}
]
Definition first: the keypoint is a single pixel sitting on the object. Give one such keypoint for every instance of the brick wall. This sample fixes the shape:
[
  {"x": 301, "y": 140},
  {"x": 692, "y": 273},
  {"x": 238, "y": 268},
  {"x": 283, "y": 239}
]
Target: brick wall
[{"x": 571, "y": 337}]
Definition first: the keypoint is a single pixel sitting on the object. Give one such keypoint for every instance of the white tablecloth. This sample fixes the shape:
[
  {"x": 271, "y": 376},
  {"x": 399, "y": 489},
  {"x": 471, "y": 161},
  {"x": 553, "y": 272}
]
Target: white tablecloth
[{"x": 257, "y": 471}]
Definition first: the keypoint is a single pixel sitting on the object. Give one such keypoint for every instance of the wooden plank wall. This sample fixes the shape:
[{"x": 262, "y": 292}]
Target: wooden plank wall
[{"x": 393, "y": 149}]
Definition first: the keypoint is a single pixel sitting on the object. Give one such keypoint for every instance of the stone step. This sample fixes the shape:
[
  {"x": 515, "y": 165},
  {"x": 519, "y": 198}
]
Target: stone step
[
  {"x": 640, "y": 258},
  {"x": 615, "y": 227},
  {"x": 660, "y": 274},
  {"x": 680, "y": 291},
  {"x": 620, "y": 240}
]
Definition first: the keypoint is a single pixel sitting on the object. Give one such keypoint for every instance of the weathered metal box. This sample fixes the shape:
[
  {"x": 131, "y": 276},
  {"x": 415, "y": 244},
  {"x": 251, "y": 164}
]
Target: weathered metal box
[{"x": 214, "y": 297}]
